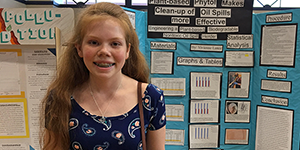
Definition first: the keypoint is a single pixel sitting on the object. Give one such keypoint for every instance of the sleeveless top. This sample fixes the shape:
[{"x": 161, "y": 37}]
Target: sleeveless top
[{"x": 89, "y": 132}]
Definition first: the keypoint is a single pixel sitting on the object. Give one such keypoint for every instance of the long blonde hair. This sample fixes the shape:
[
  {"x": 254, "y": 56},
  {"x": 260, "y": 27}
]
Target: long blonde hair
[{"x": 71, "y": 73}]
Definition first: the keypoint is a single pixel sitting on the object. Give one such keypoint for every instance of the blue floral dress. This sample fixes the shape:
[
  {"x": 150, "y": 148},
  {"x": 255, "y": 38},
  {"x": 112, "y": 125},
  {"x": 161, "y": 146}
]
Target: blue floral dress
[{"x": 89, "y": 132}]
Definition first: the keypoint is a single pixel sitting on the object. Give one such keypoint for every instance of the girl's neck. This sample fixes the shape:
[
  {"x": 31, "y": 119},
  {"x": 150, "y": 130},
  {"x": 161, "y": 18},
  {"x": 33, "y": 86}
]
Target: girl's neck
[{"x": 106, "y": 85}]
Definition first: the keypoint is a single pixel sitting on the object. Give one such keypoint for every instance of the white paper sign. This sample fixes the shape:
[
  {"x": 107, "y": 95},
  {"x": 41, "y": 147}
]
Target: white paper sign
[
  {"x": 197, "y": 61},
  {"x": 36, "y": 25},
  {"x": 241, "y": 41}
]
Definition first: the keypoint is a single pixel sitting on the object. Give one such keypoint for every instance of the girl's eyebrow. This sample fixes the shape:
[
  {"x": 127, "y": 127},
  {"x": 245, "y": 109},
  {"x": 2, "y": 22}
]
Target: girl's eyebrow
[{"x": 114, "y": 38}]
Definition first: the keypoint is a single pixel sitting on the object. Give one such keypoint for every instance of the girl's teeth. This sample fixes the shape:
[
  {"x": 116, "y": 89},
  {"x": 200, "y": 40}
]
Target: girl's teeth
[{"x": 103, "y": 64}]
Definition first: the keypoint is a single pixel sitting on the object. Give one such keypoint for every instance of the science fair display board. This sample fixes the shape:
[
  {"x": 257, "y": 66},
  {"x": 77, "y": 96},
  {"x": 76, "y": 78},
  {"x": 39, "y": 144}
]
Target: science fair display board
[
  {"x": 240, "y": 70},
  {"x": 27, "y": 65}
]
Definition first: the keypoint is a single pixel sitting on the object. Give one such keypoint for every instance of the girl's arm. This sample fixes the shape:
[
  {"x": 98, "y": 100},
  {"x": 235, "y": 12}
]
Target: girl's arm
[{"x": 156, "y": 139}]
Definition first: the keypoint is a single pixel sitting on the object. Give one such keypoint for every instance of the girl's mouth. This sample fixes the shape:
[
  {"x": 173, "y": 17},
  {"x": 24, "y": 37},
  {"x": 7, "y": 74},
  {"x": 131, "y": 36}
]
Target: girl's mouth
[{"x": 105, "y": 65}]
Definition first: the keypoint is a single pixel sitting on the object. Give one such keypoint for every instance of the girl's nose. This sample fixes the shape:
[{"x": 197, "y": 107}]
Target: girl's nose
[{"x": 103, "y": 50}]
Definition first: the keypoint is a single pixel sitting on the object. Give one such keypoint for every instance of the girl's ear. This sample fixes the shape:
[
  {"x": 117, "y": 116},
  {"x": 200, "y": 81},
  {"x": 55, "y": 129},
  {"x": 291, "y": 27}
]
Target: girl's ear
[
  {"x": 128, "y": 50},
  {"x": 79, "y": 51}
]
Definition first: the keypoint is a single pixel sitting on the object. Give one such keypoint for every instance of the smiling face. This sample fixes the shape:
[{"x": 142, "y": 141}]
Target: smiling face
[{"x": 104, "y": 49}]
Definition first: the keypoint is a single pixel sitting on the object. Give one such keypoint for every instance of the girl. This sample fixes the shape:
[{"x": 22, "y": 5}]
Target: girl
[{"x": 92, "y": 103}]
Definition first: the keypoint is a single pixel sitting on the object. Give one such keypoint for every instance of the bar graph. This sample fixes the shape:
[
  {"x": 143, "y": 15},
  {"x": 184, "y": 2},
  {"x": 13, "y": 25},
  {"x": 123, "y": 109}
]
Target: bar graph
[
  {"x": 201, "y": 108},
  {"x": 201, "y": 133},
  {"x": 204, "y": 111},
  {"x": 203, "y": 136},
  {"x": 202, "y": 81}
]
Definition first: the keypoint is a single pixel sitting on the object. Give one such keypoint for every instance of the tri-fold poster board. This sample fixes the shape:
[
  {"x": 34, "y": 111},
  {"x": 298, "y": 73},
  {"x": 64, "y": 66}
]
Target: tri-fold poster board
[
  {"x": 229, "y": 76},
  {"x": 30, "y": 41},
  {"x": 240, "y": 71}
]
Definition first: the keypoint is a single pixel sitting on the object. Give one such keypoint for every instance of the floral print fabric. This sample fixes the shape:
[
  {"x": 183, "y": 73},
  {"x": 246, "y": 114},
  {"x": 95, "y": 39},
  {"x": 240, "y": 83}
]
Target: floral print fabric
[{"x": 90, "y": 132}]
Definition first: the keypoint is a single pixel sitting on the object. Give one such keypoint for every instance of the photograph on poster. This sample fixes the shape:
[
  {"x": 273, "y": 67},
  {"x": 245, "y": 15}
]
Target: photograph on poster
[
  {"x": 278, "y": 45},
  {"x": 277, "y": 74},
  {"x": 236, "y": 136},
  {"x": 203, "y": 136},
  {"x": 205, "y": 85},
  {"x": 204, "y": 111},
  {"x": 170, "y": 86},
  {"x": 238, "y": 84},
  {"x": 239, "y": 58},
  {"x": 276, "y": 85},
  {"x": 275, "y": 131},
  {"x": 162, "y": 62},
  {"x": 175, "y": 112},
  {"x": 237, "y": 111},
  {"x": 174, "y": 137}
]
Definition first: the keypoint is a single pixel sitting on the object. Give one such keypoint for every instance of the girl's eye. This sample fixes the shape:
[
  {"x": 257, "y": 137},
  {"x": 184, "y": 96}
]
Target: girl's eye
[
  {"x": 93, "y": 43},
  {"x": 116, "y": 44}
]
